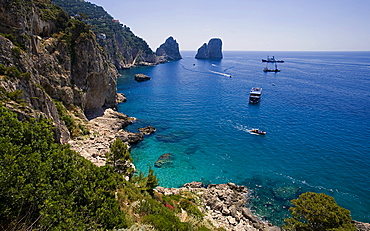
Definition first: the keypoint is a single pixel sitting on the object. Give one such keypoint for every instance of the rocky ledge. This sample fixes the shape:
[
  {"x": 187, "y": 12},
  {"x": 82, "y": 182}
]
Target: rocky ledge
[
  {"x": 224, "y": 206},
  {"x": 104, "y": 130}
]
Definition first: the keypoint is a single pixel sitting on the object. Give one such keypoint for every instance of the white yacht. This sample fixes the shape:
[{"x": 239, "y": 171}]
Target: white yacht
[{"x": 255, "y": 95}]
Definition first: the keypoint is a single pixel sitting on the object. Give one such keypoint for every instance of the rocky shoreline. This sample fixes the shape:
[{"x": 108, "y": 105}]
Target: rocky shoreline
[
  {"x": 104, "y": 129},
  {"x": 224, "y": 205}
]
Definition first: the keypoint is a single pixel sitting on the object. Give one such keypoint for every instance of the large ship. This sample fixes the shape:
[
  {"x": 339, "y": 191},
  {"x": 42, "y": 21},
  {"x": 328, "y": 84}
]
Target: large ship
[
  {"x": 255, "y": 95},
  {"x": 272, "y": 60}
]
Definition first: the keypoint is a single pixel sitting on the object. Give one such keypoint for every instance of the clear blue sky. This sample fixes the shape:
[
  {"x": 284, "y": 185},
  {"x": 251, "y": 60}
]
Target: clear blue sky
[{"x": 246, "y": 25}]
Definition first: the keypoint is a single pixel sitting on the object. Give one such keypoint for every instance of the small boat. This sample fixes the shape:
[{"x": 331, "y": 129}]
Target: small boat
[
  {"x": 255, "y": 95},
  {"x": 272, "y": 60},
  {"x": 257, "y": 131}
]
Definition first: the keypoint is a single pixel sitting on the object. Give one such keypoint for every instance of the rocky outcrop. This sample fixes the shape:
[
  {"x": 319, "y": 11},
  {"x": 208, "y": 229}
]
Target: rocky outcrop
[
  {"x": 361, "y": 226},
  {"x": 103, "y": 131},
  {"x": 123, "y": 48},
  {"x": 72, "y": 70},
  {"x": 141, "y": 77},
  {"x": 169, "y": 50},
  {"x": 212, "y": 50},
  {"x": 120, "y": 98},
  {"x": 224, "y": 206},
  {"x": 147, "y": 130},
  {"x": 93, "y": 75}
]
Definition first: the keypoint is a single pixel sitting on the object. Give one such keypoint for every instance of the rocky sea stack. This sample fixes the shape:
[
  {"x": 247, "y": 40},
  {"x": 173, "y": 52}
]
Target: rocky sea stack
[
  {"x": 169, "y": 50},
  {"x": 212, "y": 50}
]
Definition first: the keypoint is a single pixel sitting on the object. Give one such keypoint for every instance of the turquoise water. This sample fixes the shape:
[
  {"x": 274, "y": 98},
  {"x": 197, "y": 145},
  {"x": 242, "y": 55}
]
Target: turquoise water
[{"x": 316, "y": 113}]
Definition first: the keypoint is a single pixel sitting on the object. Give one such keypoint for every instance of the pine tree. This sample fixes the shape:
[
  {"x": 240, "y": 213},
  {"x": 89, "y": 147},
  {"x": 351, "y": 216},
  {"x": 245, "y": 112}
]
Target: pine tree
[
  {"x": 119, "y": 158},
  {"x": 318, "y": 211}
]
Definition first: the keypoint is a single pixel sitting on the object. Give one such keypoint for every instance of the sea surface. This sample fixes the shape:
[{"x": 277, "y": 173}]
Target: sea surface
[{"x": 316, "y": 113}]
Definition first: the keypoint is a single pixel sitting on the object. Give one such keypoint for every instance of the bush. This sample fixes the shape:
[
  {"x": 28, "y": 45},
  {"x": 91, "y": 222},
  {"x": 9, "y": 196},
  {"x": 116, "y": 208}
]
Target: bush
[
  {"x": 318, "y": 211},
  {"x": 47, "y": 186},
  {"x": 75, "y": 129}
]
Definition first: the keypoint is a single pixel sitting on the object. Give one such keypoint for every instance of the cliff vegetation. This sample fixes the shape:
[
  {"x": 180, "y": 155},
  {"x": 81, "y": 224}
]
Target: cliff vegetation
[
  {"x": 47, "y": 186},
  {"x": 123, "y": 47}
]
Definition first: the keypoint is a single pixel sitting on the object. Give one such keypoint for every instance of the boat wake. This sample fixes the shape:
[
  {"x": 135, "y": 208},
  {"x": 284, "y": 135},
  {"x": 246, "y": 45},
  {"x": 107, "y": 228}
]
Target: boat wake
[
  {"x": 207, "y": 71},
  {"x": 246, "y": 129},
  {"x": 219, "y": 73}
]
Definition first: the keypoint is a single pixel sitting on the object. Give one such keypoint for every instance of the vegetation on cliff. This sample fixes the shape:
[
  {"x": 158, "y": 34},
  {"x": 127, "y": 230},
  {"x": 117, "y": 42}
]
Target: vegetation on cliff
[
  {"x": 46, "y": 186},
  {"x": 118, "y": 41}
]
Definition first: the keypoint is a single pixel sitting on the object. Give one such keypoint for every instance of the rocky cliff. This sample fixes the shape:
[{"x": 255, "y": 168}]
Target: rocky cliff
[
  {"x": 46, "y": 57},
  {"x": 212, "y": 50},
  {"x": 169, "y": 50},
  {"x": 123, "y": 47}
]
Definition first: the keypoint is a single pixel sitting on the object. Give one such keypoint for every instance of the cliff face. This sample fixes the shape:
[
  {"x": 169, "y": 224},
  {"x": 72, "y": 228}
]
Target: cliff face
[
  {"x": 169, "y": 50},
  {"x": 123, "y": 48},
  {"x": 212, "y": 50},
  {"x": 47, "y": 57}
]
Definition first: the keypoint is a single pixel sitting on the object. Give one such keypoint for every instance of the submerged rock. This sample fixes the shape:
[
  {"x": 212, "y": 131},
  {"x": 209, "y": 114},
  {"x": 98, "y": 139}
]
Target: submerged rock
[{"x": 164, "y": 160}]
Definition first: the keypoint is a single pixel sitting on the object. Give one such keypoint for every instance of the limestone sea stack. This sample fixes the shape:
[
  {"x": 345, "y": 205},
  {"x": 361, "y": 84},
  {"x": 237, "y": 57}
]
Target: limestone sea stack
[
  {"x": 169, "y": 50},
  {"x": 212, "y": 50}
]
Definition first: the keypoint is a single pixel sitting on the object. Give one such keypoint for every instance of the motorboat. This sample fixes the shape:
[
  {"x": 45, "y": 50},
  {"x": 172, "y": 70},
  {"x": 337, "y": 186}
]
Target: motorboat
[
  {"x": 257, "y": 131},
  {"x": 255, "y": 95}
]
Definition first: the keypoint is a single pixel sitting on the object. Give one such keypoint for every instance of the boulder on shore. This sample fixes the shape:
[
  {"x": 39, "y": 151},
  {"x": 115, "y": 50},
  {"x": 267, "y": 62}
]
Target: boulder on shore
[
  {"x": 141, "y": 77},
  {"x": 212, "y": 50}
]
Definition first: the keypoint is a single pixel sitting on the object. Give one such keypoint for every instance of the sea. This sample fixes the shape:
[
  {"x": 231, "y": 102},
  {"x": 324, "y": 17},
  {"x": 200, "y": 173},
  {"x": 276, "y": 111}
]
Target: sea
[{"x": 316, "y": 114}]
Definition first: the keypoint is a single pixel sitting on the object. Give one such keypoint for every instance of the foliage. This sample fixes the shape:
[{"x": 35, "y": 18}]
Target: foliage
[
  {"x": 103, "y": 23},
  {"x": 318, "y": 211},
  {"x": 75, "y": 129},
  {"x": 14, "y": 40},
  {"x": 44, "y": 185},
  {"x": 147, "y": 183},
  {"x": 161, "y": 217},
  {"x": 119, "y": 158},
  {"x": 16, "y": 95}
]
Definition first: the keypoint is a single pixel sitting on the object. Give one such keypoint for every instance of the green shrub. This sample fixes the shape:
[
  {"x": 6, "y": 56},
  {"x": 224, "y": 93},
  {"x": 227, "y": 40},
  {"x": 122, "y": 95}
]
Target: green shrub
[
  {"x": 318, "y": 211},
  {"x": 47, "y": 186},
  {"x": 161, "y": 217},
  {"x": 75, "y": 129},
  {"x": 191, "y": 208}
]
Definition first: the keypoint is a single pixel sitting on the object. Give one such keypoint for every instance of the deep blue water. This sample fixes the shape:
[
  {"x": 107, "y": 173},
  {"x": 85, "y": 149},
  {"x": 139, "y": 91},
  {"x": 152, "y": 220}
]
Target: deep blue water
[{"x": 316, "y": 113}]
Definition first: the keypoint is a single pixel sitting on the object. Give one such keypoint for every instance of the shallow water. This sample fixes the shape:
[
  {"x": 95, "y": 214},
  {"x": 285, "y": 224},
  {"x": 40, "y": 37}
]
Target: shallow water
[{"x": 315, "y": 112}]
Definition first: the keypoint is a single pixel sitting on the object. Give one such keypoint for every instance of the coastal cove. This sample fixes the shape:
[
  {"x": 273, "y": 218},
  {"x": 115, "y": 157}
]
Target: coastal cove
[{"x": 315, "y": 112}]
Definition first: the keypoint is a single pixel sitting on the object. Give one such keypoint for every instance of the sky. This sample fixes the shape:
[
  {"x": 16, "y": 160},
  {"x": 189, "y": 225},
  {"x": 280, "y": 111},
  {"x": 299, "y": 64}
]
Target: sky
[{"x": 246, "y": 25}]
